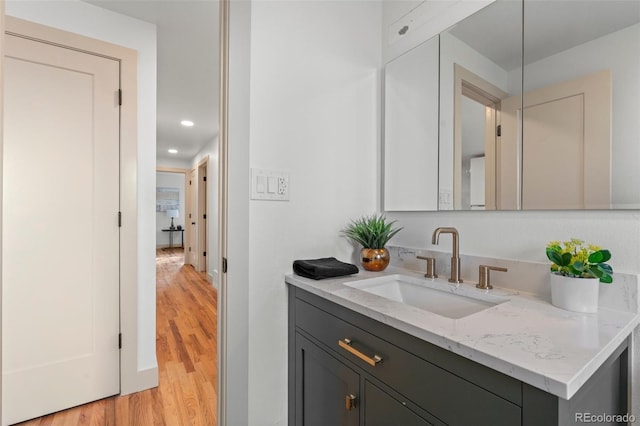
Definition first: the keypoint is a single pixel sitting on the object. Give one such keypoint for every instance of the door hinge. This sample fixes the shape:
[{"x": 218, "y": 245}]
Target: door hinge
[
  {"x": 119, "y": 219},
  {"x": 189, "y": 182},
  {"x": 204, "y": 253},
  {"x": 120, "y": 97},
  {"x": 205, "y": 178},
  {"x": 499, "y": 130},
  {"x": 204, "y": 216},
  {"x": 120, "y": 341},
  {"x": 224, "y": 265},
  {"x": 189, "y": 249}
]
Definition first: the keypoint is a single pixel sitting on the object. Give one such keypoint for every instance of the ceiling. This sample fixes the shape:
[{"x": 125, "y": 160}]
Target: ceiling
[
  {"x": 188, "y": 69},
  {"x": 495, "y": 30}
]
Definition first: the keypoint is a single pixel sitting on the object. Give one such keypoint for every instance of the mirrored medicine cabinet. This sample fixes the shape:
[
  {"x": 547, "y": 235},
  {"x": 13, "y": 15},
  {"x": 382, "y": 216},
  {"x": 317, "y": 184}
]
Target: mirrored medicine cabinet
[{"x": 530, "y": 105}]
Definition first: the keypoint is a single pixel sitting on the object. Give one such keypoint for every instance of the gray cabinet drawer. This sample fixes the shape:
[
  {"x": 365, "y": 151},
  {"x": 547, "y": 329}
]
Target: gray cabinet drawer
[{"x": 447, "y": 396}]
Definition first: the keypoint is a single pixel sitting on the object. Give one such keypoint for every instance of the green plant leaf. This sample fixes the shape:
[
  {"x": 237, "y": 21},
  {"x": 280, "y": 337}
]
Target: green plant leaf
[
  {"x": 607, "y": 279},
  {"x": 559, "y": 259},
  {"x": 371, "y": 231},
  {"x": 606, "y": 268},
  {"x": 595, "y": 257},
  {"x": 606, "y": 256},
  {"x": 595, "y": 272},
  {"x": 579, "y": 266},
  {"x": 572, "y": 270}
]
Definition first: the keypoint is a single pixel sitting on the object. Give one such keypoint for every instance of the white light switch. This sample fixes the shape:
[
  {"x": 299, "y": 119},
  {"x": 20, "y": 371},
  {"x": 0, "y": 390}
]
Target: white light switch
[
  {"x": 260, "y": 184},
  {"x": 269, "y": 185},
  {"x": 272, "y": 184}
]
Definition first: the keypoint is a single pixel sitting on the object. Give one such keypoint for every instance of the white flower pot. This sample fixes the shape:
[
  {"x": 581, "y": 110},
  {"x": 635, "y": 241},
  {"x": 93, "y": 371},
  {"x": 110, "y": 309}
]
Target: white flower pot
[{"x": 575, "y": 294}]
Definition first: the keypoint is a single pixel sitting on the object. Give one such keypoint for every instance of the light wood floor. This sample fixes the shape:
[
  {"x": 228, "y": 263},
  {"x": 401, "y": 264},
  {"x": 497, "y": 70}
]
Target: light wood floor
[{"x": 186, "y": 349}]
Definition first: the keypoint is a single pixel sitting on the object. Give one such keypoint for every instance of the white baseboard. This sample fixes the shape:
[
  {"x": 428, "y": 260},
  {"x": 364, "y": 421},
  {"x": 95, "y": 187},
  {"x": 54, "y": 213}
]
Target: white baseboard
[
  {"x": 143, "y": 380},
  {"x": 214, "y": 278}
]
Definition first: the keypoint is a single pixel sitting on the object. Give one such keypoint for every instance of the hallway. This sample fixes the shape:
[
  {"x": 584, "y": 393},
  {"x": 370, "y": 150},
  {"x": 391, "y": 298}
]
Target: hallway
[{"x": 186, "y": 324}]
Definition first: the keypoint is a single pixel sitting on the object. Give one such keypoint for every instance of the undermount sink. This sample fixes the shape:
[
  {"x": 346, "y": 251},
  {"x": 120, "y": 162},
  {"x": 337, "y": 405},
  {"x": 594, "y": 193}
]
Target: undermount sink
[{"x": 435, "y": 296}]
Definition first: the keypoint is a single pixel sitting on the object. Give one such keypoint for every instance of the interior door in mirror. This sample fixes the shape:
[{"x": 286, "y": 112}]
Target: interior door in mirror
[{"x": 580, "y": 129}]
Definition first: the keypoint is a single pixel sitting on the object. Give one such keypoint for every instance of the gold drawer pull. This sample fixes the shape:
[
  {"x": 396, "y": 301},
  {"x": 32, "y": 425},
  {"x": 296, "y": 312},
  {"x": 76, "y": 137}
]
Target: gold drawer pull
[{"x": 346, "y": 344}]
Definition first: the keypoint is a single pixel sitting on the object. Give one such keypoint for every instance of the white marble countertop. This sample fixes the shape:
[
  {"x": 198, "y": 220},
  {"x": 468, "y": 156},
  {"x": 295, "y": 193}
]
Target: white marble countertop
[{"x": 525, "y": 338}]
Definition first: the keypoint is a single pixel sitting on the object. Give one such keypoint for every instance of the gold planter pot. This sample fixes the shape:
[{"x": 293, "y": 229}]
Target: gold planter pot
[{"x": 374, "y": 259}]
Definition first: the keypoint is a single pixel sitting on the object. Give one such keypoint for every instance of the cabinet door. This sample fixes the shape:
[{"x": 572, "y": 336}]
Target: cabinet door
[
  {"x": 323, "y": 386},
  {"x": 380, "y": 409}
]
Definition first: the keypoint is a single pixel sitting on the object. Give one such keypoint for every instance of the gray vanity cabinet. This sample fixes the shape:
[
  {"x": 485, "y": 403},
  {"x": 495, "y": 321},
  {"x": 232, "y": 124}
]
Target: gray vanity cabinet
[
  {"x": 325, "y": 387},
  {"x": 385, "y": 377},
  {"x": 331, "y": 393},
  {"x": 381, "y": 409}
]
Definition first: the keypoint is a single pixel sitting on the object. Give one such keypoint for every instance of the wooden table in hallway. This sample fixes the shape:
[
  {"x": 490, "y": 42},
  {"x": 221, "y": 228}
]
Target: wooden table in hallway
[{"x": 186, "y": 334}]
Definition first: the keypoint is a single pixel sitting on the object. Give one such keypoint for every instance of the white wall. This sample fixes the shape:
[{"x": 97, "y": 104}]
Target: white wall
[
  {"x": 314, "y": 79},
  {"x": 173, "y": 163},
  {"x": 83, "y": 18},
  {"x": 170, "y": 180},
  {"x": 618, "y": 52},
  {"x": 211, "y": 149}
]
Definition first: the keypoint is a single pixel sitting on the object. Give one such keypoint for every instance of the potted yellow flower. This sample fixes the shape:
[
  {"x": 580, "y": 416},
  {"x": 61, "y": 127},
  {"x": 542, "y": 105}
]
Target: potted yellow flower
[{"x": 577, "y": 269}]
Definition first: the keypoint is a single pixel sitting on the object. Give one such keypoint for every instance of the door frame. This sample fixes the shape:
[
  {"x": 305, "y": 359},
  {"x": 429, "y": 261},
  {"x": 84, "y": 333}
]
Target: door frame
[
  {"x": 130, "y": 380},
  {"x": 191, "y": 209},
  {"x": 184, "y": 172},
  {"x": 202, "y": 224},
  {"x": 475, "y": 87},
  {"x": 223, "y": 388}
]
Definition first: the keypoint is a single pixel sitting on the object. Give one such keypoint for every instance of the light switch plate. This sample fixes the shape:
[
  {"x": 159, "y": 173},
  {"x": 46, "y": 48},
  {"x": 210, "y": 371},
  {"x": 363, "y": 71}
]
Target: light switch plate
[{"x": 269, "y": 185}]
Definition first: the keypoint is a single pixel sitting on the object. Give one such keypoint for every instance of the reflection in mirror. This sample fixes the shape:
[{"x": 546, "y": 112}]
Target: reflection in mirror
[
  {"x": 411, "y": 130},
  {"x": 473, "y": 155},
  {"x": 480, "y": 65},
  {"x": 574, "y": 145},
  {"x": 580, "y": 143}
]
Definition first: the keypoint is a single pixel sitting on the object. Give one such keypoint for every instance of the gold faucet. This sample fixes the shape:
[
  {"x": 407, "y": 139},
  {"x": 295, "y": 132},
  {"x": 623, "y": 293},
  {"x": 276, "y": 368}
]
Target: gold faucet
[{"x": 455, "y": 255}]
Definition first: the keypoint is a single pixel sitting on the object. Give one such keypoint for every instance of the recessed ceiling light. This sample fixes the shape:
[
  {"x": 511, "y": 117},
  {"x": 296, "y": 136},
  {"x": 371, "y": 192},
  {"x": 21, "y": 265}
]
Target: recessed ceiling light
[
  {"x": 187, "y": 123},
  {"x": 173, "y": 151}
]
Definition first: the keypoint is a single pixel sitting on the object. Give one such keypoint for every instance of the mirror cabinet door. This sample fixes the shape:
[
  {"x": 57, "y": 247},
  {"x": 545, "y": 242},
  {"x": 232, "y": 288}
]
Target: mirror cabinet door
[
  {"x": 411, "y": 130},
  {"x": 480, "y": 67},
  {"x": 581, "y": 101}
]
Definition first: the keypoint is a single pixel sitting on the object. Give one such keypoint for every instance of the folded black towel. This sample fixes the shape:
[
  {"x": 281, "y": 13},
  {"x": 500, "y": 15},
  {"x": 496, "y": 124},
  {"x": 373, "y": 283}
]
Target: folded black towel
[{"x": 328, "y": 267}]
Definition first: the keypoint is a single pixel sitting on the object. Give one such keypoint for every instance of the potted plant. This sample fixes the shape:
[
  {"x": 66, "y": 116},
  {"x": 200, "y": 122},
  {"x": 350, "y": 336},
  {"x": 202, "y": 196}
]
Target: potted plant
[
  {"x": 576, "y": 271},
  {"x": 372, "y": 233}
]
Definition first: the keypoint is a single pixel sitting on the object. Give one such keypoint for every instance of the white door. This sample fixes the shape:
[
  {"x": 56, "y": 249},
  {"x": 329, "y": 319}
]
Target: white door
[
  {"x": 191, "y": 245},
  {"x": 202, "y": 217},
  {"x": 61, "y": 235},
  {"x": 565, "y": 145}
]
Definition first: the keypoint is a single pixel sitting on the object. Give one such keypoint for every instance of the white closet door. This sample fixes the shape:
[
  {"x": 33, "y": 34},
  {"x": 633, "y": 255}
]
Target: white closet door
[{"x": 61, "y": 235}]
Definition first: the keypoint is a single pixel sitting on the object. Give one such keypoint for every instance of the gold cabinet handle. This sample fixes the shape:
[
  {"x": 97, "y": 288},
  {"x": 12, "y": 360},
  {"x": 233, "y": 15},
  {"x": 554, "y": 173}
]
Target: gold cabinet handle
[
  {"x": 350, "y": 401},
  {"x": 371, "y": 360}
]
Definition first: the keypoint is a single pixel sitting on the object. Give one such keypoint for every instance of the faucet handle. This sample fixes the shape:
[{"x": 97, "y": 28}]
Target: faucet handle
[
  {"x": 431, "y": 266},
  {"x": 484, "y": 277}
]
